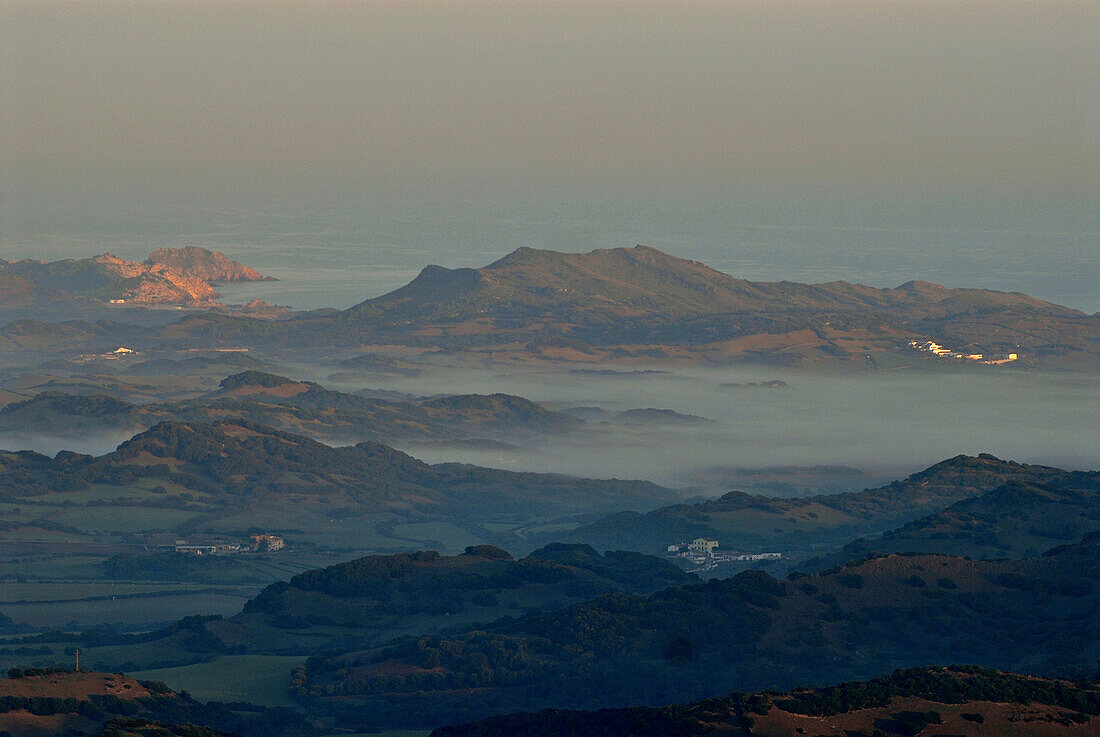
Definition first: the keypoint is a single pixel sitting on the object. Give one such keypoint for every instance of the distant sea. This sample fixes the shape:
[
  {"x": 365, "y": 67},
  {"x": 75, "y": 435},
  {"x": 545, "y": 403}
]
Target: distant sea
[{"x": 339, "y": 256}]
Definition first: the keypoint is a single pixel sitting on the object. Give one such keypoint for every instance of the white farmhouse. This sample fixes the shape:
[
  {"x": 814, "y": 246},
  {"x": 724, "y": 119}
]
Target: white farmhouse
[{"x": 704, "y": 546}]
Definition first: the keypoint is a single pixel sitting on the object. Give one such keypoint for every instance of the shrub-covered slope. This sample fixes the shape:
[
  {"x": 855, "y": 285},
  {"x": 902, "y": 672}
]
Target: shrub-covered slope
[
  {"x": 377, "y": 598},
  {"x": 1040, "y": 615}
]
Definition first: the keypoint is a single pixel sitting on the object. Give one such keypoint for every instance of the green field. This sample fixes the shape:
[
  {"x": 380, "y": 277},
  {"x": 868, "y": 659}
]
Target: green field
[
  {"x": 315, "y": 527},
  {"x": 257, "y": 679},
  {"x": 51, "y": 566},
  {"x": 12, "y": 512},
  {"x": 120, "y": 518},
  {"x": 72, "y": 591},
  {"x": 136, "y": 491},
  {"x": 226, "y": 601},
  {"x": 281, "y": 566}
]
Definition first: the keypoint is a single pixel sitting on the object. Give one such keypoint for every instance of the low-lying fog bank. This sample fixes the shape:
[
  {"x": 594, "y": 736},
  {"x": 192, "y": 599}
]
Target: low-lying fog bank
[
  {"x": 877, "y": 426},
  {"x": 770, "y": 430}
]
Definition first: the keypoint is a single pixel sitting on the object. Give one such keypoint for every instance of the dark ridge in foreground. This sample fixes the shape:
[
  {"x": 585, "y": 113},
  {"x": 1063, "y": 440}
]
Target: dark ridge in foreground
[
  {"x": 954, "y": 700},
  {"x": 373, "y": 600},
  {"x": 40, "y": 702}
]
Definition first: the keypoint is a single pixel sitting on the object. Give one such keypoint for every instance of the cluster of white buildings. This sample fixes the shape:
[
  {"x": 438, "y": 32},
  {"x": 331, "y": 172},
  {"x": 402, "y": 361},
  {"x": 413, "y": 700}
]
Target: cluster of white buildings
[
  {"x": 257, "y": 543},
  {"x": 931, "y": 346},
  {"x": 115, "y": 355},
  {"x": 704, "y": 552}
]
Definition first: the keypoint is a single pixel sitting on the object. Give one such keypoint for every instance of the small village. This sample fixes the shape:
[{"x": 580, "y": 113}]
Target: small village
[
  {"x": 262, "y": 543},
  {"x": 704, "y": 553},
  {"x": 116, "y": 355},
  {"x": 939, "y": 351}
]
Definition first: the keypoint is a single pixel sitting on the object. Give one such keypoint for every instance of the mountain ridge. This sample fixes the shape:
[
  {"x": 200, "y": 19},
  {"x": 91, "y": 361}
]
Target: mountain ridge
[
  {"x": 233, "y": 467},
  {"x": 548, "y": 277},
  {"x": 640, "y": 305}
]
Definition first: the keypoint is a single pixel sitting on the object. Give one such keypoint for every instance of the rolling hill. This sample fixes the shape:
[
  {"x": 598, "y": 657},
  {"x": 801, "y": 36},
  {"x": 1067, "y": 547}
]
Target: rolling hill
[
  {"x": 225, "y": 480},
  {"x": 796, "y": 526},
  {"x": 242, "y": 464},
  {"x": 297, "y": 406},
  {"x": 1016, "y": 520}
]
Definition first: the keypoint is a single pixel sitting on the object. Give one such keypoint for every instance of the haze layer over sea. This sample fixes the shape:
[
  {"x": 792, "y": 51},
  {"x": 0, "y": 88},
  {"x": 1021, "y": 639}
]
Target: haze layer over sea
[
  {"x": 342, "y": 146},
  {"x": 339, "y": 255}
]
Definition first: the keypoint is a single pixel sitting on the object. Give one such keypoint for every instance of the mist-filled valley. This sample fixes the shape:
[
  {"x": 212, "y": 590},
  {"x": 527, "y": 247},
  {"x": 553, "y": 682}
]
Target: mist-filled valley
[
  {"x": 884, "y": 425},
  {"x": 741, "y": 427}
]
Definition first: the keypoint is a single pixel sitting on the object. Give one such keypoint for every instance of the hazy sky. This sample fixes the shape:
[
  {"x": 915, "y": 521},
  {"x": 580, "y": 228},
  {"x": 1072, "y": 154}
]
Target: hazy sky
[
  {"x": 164, "y": 100},
  {"x": 129, "y": 125}
]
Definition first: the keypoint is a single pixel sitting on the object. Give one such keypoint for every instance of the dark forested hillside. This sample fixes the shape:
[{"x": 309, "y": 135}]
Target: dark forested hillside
[
  {"x": 370, "y": 600},
  {"x": 1040, "y": 615}
]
